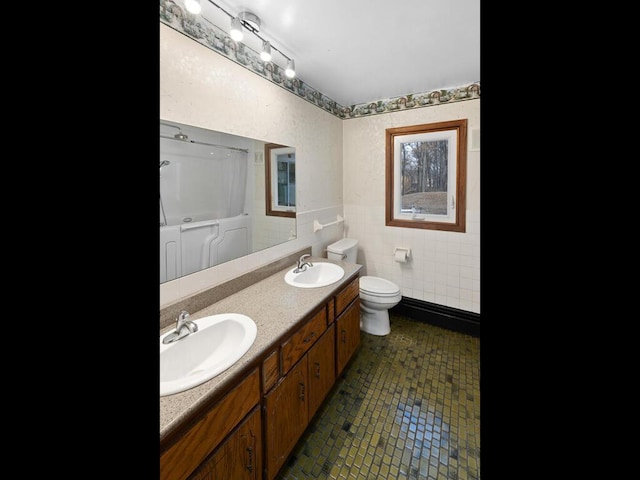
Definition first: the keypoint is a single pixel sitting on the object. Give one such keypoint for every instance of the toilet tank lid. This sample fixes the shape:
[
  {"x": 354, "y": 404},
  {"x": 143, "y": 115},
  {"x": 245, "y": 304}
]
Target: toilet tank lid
[{"x": 341, "y": 246}]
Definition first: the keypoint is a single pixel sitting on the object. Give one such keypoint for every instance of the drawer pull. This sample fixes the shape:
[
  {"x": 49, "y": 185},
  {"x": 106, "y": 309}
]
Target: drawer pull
[
  {"x": 250, "y": 459},
  {"x": 317, "y": 369},
  {"x": 344, "y": 336},
  {"x": 301, "y": 396},
  {"x": 310, "y": 337}
]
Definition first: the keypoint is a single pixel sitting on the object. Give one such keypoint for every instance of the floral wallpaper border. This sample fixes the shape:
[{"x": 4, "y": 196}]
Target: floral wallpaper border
[{"x": 219, "y": 41}]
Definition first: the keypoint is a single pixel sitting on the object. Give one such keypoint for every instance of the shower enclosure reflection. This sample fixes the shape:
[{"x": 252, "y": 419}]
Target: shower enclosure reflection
[{"x": 212, "y": 200}]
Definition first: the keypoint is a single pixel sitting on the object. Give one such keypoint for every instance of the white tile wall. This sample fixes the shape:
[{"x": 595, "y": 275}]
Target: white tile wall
[
  {"x": 344, "y": 169},
  {"x": 202, "y": 88},
  {"x": 444, "y": 267}
]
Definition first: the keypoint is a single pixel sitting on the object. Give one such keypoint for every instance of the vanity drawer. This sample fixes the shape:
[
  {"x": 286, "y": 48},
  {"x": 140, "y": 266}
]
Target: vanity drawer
[
  {"x": 294, "y": 348},
  {"x": 270, "y": 371},
  {"x": 331, "y": 311},
  {"x": 347, "y": 295}
]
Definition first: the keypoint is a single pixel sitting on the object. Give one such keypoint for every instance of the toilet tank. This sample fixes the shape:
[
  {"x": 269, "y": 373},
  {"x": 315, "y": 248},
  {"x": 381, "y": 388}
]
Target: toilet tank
[{"x": 345, "y": 249}]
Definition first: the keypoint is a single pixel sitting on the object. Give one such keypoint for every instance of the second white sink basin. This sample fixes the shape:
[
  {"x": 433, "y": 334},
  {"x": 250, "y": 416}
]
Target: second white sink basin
[
  {"x": 221, "y": 340},
  {"x": 320, "y": 275}
]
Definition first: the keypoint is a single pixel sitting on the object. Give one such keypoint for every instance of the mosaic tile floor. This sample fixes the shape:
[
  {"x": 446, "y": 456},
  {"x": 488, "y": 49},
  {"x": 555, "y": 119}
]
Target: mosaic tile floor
[{"x": 406, "y": 407}]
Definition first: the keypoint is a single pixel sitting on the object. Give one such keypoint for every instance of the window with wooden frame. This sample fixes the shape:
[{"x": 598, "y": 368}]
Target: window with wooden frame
[
  {"x": 280, "y": 180},
  {"x": 426, "y": 176}
]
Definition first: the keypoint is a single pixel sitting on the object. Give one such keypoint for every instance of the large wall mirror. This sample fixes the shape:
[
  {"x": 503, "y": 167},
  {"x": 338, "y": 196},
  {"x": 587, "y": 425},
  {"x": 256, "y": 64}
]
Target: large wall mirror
[{"x": 214, "y": 188}]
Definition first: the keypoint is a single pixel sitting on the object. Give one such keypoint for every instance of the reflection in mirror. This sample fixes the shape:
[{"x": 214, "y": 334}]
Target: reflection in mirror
[
  {"x": 280, "y": 172},
  {"x": 213, "y": 189}
]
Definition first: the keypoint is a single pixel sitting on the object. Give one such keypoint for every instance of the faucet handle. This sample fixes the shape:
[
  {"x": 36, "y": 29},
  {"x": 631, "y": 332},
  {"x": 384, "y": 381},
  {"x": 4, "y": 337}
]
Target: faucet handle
[
  {"x": 302, "y": 265},
  {"x": 303, "y": 257},
  {"x": 182, "y": 319}
]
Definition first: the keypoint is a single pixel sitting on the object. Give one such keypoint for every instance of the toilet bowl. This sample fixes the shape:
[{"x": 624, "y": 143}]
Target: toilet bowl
[{"x": 377, "y": 295}]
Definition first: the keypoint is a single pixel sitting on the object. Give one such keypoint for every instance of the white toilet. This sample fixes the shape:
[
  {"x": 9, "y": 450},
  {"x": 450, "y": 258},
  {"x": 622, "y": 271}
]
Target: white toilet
[{"x": 377, "y": 295}]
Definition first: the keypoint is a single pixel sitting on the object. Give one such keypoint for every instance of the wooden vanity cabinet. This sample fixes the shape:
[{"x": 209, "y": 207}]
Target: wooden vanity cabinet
[
  {"x": 311, "y": 358},
  {"x": 347, "y": 295},
  {"x": 286, "y": 406},
  {"x": 286, "y": 413},
  {"x": 347, "y": 312},
  {"x": 270, "y": 370},
  {"x": 239, "y": 457},
  {"x": 292, "y": 403},
  {"x": 321, "y": 368},
  {"x": 187, "y": 454},
  {"x": 347, "y": 335},
  {"x": 297, "y": 345},
  {"x": 252, "y": 430}
]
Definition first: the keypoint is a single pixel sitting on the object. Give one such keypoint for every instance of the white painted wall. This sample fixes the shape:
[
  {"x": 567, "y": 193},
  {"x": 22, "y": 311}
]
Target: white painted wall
[
  {"x": 341, "y": 171},
  {"x": 202, "y": 88},
  {"x": 445, "y": 266}
]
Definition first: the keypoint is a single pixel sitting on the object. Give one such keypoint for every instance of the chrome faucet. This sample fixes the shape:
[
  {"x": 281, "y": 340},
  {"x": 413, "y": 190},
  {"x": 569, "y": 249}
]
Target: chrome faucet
[
  {"x": 302, "y": 264},
  {"x": 184, "y": 327}
]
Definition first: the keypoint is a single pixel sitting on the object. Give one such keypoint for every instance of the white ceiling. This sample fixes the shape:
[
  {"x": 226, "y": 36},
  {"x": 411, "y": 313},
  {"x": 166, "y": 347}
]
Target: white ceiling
[{"x": 358, "y": 51}]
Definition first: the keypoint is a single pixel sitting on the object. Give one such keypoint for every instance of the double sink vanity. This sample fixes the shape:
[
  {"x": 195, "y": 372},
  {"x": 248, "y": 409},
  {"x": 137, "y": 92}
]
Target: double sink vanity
[{"x": 240, "y": 418}]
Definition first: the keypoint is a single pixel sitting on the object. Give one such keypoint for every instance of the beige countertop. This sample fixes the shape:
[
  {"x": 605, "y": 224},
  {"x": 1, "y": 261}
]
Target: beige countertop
[{"x": 275, "y": 307}]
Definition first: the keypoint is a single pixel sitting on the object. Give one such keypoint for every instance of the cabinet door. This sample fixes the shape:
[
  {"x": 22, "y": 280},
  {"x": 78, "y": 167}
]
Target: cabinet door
[
  {"x": 347, "y": 335},
  {"x": 322, "y": 369},
  {"x": 185, "y": 455},
  {"x": 239, "y": 457},
  {"x": 286, "y": 416}
]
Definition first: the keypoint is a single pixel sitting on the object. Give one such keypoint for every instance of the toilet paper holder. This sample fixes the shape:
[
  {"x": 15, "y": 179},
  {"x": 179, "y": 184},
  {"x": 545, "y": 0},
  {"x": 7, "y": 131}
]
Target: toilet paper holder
[{"x": 401, "y": 254}]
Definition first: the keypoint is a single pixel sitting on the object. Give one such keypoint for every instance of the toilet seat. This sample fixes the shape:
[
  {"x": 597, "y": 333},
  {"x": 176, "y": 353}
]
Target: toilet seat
[{"x": 378, "y": 287}]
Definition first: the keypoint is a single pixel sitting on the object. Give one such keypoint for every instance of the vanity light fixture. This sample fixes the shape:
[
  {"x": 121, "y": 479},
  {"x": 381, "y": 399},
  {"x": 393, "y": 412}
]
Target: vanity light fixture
[
  {"x": 193, "y": 6},
  {"x": 291, "y": 69},
  {"x": 236, "y": 29},
  {"x": 265, "y": 55},
  {"x": 244, "y": 19},
  {"x": 251, "y": 22}
]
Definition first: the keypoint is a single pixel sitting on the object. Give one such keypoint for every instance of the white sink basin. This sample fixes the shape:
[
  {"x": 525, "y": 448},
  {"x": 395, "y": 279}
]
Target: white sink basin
[
  {"x": 219, "y": 342},
  {"x": 320, "y": 275}
]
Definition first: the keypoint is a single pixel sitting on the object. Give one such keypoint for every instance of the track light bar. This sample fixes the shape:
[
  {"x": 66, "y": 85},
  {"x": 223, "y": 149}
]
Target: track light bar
[{"x": 252, "y": 23}]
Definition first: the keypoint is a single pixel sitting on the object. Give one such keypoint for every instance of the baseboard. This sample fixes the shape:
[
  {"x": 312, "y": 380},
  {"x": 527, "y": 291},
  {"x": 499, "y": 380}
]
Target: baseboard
[{"x": 439, "y": 315}]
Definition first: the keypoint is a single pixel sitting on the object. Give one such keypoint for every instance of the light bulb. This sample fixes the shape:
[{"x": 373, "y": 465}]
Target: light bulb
[
  {"x": 291, "y": 69},
  {"x": 265, "y": 55},
  {"x": 193, "y": 6},
  {"x": 236, "y": 29}
]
